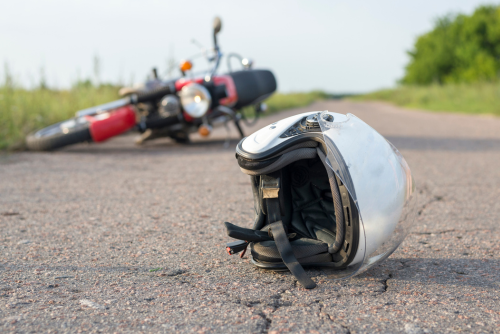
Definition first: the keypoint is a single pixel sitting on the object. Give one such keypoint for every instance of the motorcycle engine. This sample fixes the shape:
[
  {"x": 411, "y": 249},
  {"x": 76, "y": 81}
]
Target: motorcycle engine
[{"x": 169, "y": 106}]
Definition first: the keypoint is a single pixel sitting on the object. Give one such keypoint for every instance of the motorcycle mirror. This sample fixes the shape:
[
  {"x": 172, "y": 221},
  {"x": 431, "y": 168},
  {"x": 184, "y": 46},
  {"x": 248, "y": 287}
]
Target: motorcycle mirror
[{"x": 217, "y": 25}]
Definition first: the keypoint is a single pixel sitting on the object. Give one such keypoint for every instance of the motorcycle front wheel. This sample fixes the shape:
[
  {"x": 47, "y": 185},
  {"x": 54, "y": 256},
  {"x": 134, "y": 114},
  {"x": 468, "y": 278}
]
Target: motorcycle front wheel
[{"x": 58, "y": 135}]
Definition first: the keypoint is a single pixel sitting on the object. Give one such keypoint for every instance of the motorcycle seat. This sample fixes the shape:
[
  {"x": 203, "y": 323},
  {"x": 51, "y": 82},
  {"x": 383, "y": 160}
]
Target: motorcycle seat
[{"x": 253, "y": 86}]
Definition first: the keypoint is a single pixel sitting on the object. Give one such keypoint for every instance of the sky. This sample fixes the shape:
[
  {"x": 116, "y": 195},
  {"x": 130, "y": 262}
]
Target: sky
[{"x": 334, "y": 46}]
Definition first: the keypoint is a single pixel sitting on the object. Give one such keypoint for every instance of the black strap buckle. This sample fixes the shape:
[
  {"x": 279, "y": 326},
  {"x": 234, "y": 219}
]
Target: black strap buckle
[
  {"x": 270, "y": 186},
  {"x": 236, "y": 246}
]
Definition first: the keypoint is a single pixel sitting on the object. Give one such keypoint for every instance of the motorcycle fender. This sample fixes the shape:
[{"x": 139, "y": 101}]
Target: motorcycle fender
[{"x": 111, "y": 124}]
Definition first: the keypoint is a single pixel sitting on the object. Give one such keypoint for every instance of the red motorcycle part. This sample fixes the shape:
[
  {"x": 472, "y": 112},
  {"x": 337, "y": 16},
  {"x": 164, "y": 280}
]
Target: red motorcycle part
[
  {"x": 232, "y": 95},
  {"x": 111, "y": 124},
  {"x": 229, "y": 101}
]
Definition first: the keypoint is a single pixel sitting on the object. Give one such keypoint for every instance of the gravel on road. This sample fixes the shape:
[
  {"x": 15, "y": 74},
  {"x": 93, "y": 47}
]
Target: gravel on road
[{"x": 120, "y": 238}]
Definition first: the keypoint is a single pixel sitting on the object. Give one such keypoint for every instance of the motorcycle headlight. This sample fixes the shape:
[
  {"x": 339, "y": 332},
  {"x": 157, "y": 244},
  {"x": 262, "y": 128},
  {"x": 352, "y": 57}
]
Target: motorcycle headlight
[{"x": 195, "y": 99}]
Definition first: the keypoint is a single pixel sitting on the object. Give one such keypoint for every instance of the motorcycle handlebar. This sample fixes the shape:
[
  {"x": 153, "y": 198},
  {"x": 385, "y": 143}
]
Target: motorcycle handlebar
[{"x": 216, "y": 65}]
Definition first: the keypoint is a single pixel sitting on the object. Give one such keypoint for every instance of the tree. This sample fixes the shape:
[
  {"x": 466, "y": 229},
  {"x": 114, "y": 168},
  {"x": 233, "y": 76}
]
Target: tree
[{"x": 459, "y": 49}]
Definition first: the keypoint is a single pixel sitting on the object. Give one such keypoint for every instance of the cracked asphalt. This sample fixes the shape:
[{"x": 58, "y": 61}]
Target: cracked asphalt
[{"x": 120, "y": 238}]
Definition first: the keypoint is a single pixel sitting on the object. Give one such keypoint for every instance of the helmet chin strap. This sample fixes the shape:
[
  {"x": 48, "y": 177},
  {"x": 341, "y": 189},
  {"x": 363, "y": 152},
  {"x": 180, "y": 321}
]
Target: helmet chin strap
[{"x": 276, "y": 229}]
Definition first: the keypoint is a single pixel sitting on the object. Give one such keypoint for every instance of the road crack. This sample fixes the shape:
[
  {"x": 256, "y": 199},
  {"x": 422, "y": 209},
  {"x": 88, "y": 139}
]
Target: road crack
[
  {"x": 384, "y": 282},
  {"x": 435, "y": 198},
  {"x": 276, "y": 304},
  {"x": 268, "y": 321},
  {"x": 330, "y": 318},
  {"x": 451, "y": 231},
  {"x": 348, "y": 331}
]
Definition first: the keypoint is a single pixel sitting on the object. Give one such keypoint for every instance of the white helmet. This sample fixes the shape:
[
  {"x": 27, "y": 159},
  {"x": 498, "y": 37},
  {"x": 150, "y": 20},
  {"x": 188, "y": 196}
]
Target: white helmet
[{"x": 328, "y": 191}]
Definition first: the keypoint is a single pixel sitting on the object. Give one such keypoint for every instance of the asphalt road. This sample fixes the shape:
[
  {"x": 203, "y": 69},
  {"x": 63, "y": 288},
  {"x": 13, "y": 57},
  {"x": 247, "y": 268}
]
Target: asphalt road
[{"x": 82, "y": 228}]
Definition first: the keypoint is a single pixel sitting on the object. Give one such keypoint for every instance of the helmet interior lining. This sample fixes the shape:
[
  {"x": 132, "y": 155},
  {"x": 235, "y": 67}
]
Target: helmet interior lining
[{"x": 309, "y": 209}]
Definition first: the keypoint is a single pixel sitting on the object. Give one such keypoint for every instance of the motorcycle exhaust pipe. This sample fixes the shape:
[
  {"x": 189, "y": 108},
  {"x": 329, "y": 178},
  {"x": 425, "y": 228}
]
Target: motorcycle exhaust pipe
[{"x": 104, "y": 107}]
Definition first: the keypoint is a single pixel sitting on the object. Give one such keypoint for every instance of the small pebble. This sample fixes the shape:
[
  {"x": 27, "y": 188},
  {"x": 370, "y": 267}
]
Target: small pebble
[
  {"x": 89, "y": 303},
  {"x": 413, "y": 329}
]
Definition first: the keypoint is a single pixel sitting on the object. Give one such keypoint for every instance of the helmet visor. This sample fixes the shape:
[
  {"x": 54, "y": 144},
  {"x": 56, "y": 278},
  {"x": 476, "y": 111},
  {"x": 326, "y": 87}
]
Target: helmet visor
[{"x": 379, "y": 181}]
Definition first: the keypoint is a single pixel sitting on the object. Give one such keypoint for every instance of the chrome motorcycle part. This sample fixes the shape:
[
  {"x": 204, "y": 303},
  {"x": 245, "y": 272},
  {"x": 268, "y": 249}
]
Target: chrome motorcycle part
[
  {"x": 104, "y": 107},
  {"x": 169, "y": 106},
  {"x": 247, "y": 63},
  {"x": 195, "y": 100}
]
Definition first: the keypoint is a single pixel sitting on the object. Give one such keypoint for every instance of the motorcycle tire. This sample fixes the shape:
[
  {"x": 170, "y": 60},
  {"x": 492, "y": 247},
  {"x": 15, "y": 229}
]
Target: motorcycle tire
[{"x": 58, "y": 135}]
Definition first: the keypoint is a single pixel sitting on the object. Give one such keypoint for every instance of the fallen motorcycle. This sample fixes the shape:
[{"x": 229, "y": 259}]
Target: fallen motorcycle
[{"x": 172, "y": 108}]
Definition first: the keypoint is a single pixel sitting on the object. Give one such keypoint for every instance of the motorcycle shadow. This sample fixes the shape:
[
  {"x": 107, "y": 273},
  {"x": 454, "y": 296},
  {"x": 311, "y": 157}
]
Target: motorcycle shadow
[{"x": 126, "y": 145}]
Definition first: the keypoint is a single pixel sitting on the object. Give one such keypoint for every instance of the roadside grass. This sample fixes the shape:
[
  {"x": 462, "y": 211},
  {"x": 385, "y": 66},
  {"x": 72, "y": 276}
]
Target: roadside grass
[
  {"x": 479, "y": 98},
  {"x": 282, "y": 101},
  {"x": 23, "y": 111}
]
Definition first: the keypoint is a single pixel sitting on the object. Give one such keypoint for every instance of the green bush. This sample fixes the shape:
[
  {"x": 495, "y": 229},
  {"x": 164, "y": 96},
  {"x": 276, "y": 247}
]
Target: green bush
[
  {"x": 476, "y": 98},
  {"x": 460, "y": 49}
]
